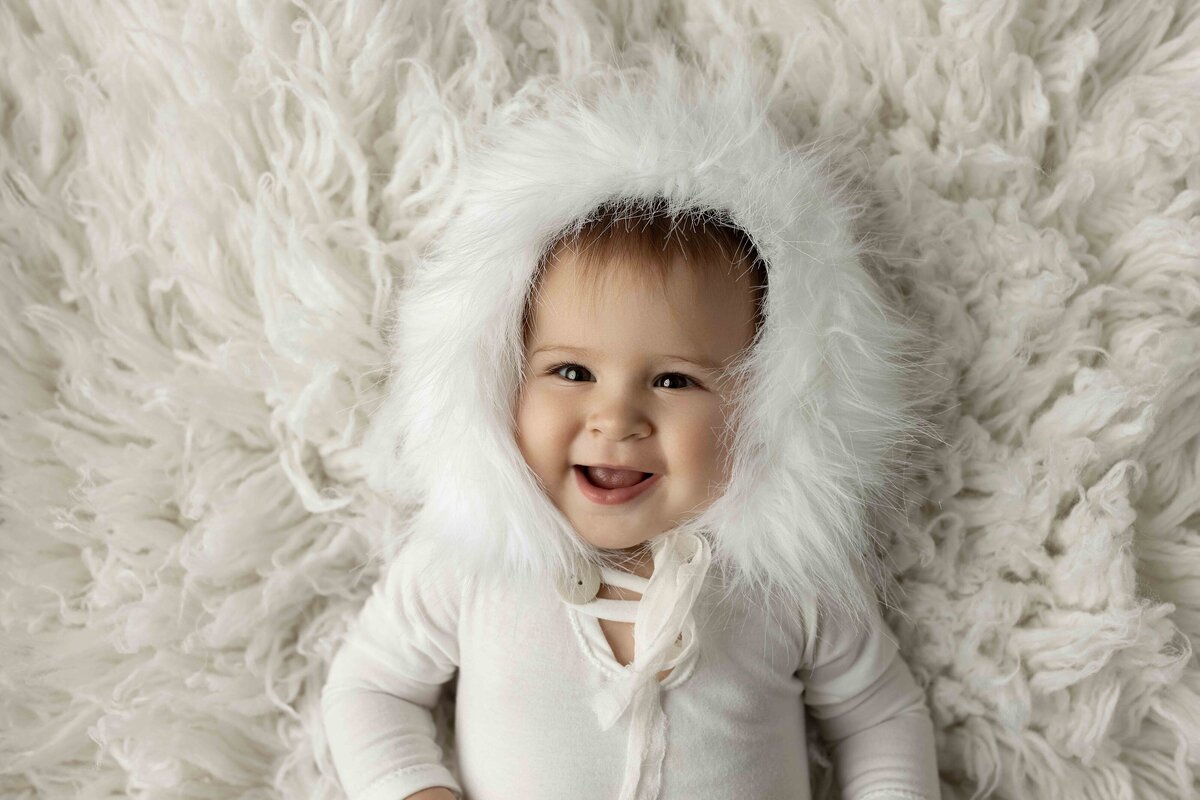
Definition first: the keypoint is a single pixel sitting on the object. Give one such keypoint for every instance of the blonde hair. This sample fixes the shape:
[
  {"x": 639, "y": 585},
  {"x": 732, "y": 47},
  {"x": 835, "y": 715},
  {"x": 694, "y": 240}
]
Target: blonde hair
[{"x": 605, "y": 244}]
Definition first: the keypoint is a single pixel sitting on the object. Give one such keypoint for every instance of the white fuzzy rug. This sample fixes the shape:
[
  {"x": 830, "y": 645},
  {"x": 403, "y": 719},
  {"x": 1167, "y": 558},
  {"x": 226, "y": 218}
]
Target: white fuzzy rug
[{"x": 204, "y": 208}]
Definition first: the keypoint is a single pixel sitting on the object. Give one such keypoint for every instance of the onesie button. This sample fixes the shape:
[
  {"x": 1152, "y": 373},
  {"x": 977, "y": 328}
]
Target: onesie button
[{"x": 581, "y": 584}]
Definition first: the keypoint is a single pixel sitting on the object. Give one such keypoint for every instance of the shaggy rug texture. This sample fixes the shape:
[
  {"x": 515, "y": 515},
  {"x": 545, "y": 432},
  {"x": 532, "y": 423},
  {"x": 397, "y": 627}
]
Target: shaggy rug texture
[{"x": 205, "y": 208}]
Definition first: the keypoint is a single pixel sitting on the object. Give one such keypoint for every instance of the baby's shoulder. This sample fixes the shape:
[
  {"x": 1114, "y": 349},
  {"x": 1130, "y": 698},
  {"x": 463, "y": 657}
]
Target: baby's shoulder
[
  {"x": 842, "y": 637},
  {"x": 421, "y": 567}
]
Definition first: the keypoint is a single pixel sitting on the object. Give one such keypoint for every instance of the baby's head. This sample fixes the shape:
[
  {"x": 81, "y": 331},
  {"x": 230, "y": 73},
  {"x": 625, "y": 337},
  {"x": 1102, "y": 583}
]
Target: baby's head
[{"x": 628, "y": 340}]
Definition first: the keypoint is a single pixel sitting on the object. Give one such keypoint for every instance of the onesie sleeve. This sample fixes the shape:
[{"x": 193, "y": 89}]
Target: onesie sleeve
[
  {"x": 386, "y": 677},
  {"x": 871, "y": 711}
]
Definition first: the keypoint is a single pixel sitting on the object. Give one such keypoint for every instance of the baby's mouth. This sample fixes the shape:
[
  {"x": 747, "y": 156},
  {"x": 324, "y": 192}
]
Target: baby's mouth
[{"x": 612, "y": 478}]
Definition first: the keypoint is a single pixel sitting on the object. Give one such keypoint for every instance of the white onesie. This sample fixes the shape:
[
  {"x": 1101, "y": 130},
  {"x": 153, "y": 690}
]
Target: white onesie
[{"x": 530, "y": 666}]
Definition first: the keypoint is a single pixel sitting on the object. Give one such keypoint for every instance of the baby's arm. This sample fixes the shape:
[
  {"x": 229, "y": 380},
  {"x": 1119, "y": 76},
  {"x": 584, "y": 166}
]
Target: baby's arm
[
  {"x": 869, "y": 707},
  {"x": 386, "y": 678}
]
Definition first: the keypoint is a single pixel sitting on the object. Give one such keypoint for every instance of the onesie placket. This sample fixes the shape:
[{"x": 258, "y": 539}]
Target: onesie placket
[{"x": 664, "y": 636}]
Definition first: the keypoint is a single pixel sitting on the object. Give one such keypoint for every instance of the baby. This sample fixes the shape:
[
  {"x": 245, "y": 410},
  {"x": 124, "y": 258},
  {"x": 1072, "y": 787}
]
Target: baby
[{"x": 641, "y": 453}]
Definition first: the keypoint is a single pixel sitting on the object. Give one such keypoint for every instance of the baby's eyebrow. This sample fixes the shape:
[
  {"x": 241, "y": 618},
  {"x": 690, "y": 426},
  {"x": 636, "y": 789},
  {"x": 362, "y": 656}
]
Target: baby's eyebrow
[
  {"x": 703, "y": 363},
  {"x": 699, "y": 361}
]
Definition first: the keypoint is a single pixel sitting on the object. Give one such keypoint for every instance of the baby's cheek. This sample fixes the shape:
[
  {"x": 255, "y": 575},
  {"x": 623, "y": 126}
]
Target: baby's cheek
[
  {"x": 525, "y": 429},
  {"x": 539, "y": 430},
  {"x": 701, "y": 449}
]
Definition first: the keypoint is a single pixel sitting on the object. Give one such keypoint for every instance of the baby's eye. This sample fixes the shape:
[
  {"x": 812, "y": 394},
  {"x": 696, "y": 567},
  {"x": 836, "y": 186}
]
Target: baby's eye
[
  {"x": 577, "y": 374},
  {"x": 677, "y": 379},
  {"x": 571, "y": 372}
]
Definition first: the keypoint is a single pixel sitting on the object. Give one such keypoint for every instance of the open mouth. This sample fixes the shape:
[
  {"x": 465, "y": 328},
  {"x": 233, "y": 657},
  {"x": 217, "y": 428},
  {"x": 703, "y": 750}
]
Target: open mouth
[
  {"x": 625, "y": 488},
  {"x": 587, "y": 473}
]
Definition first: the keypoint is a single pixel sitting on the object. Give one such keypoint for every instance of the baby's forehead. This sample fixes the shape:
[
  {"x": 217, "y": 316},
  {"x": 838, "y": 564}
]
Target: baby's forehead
[
  {"x": 702, "y": 324},
  {"x": 618, "y": 287}
]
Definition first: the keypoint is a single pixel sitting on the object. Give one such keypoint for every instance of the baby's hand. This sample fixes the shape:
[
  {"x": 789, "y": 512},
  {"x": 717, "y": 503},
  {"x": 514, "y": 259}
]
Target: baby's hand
[{"x": 436, "y": 793}]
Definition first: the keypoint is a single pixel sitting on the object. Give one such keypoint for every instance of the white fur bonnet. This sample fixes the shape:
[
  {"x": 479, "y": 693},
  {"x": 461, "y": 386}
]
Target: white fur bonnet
[{"x": 826, "y": 400}]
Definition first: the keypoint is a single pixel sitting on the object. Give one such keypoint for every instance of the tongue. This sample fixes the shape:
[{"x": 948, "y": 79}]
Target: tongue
[{"x": 613, "y": 478}]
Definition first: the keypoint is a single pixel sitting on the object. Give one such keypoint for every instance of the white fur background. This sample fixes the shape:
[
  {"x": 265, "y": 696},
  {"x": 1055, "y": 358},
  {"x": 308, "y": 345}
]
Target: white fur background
[{"x": 204, "y": 208}]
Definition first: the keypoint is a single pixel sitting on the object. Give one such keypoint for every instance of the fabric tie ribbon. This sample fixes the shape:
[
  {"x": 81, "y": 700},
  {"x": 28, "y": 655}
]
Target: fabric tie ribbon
[{"x": 664, "y": 634}]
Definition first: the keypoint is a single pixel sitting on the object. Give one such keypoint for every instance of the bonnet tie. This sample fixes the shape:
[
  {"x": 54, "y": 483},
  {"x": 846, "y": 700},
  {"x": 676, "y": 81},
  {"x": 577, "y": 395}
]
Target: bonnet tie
[{"x": 664, "y": 615}]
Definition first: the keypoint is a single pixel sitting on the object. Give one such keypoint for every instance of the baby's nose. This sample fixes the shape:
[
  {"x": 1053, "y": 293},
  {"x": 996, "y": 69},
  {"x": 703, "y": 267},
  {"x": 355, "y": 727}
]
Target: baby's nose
[{"x": 620, "y": 420}]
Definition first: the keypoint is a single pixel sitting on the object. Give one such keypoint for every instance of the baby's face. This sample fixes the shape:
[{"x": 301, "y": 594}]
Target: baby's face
[{"x": 616, "y": 384}]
